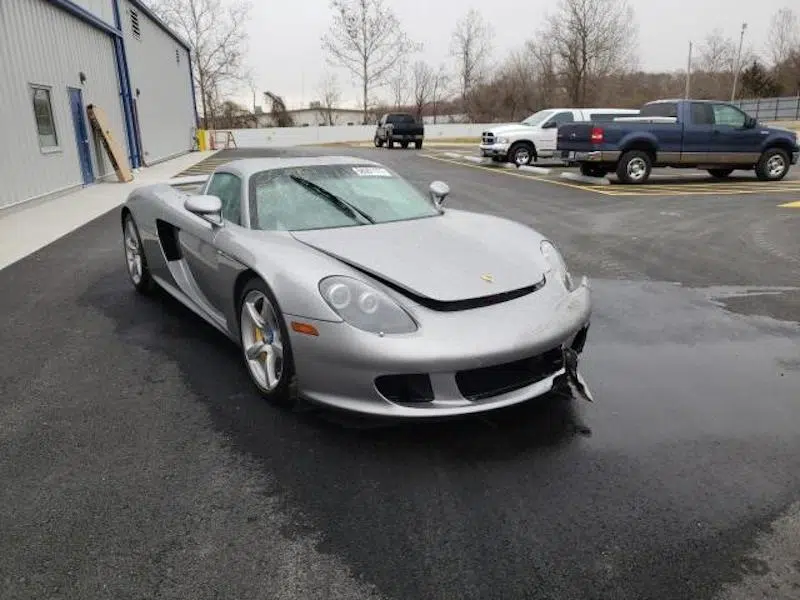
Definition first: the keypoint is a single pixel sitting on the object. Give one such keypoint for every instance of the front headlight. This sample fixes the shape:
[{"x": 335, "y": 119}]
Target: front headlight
[
  {"x": 556, "y": 264},
  {"x": 364, "y": 307},
  {"x": 502, "y": 140}
]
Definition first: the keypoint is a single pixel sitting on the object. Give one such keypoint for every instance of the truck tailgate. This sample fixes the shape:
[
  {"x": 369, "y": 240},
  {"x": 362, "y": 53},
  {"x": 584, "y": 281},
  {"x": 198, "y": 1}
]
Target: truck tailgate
[{"x": 575, "y": 137}]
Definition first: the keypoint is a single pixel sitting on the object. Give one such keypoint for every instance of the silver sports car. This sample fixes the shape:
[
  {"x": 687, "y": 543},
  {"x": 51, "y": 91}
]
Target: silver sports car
[{"x": 346, "y": 286}]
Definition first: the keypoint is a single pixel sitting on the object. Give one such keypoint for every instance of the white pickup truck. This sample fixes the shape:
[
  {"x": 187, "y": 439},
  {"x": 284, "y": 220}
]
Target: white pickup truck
[{"x": 535, "y": 137}]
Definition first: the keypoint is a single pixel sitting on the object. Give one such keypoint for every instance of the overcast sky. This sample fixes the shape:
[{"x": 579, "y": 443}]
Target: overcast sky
[{"x": 286, "y": 57}]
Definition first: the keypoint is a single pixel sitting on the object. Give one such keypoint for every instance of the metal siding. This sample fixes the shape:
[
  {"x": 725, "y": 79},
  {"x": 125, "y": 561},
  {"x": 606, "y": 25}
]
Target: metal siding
[
  {"x": 164, "y": 102},
  {"x": 102, "y": 9},
  {"x": 42, "y": 44}
]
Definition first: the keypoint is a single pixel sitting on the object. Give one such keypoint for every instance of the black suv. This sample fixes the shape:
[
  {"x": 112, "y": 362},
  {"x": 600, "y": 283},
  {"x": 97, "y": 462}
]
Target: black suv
[{"x": 399, "y": 127}]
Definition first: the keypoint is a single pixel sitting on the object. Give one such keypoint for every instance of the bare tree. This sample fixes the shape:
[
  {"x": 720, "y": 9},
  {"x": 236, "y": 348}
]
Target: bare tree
[
  {"x": 366, "y": 39},
  {"x": 438, "y": 89},
  {"x": 424, "y": 81},
  {"x": 399, "y": 84},
  {"x": 214, "y": 32},
  {"x": 329, "y": 97},
  {"x": 471, "y": 45},
  {"x": 591, "y": 39},
  {"x": 784, "y": 35},
  {"x": 717, "y": 54}
]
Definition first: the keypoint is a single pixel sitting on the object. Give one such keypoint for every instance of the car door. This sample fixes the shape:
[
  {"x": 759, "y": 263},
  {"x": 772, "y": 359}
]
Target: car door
[
  {"x": 198, "y": 243},
  {"x": 697, "y": 133},
  {"x": 548, "y": 138},
  {"x": 732, "y": 141}
]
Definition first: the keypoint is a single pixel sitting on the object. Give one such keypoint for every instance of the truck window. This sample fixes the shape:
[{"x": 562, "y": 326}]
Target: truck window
[
  {"x": 702, "y": 113},
  {"x": 660, "y": 109},
  {"x": 397, "y": 119},
  {"x": 725, "y": 114},
  {"x": 561, "y": 118}
]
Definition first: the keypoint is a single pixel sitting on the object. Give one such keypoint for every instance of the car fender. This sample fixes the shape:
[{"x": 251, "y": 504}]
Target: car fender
[{"x": 638, "y": 139}]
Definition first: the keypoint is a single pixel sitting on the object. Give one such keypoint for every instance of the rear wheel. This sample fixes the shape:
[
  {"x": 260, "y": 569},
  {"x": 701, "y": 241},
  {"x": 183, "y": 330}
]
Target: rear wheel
[
  {"x": 720, "y": 173},
  {"x": 138, "y": 272},
  {"x": 404, "y": 145},
  {"x": 418, "y": 145},
  {"x": 390, "y": 142},
  {"x": 634, "y": 167},
  {"x": 588, "y": 170},
  {"x": 266, "y": 349},
  {"x": 773, "y": 165},
  {"x": 378, "y": 142}
]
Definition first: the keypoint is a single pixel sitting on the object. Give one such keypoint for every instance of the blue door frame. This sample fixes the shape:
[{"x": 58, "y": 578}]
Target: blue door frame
[{"x": 81, "y": 134}]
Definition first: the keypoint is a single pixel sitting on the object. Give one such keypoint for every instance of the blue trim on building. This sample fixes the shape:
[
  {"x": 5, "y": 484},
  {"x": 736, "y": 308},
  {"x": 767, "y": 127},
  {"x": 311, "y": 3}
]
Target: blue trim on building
[
  {"x": 134, "y": 143},
  {"x": 85, "y": 16},
  {"x": 194, "y": 95}
]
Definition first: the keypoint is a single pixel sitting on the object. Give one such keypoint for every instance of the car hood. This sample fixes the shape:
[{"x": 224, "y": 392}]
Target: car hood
[
  {"x": 454, "y": 256},
  {"x": 509, "y": 129}
]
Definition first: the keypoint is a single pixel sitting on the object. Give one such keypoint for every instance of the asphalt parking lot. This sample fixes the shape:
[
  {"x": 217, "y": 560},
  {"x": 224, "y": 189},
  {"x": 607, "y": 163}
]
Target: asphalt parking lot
[{"x": 138, "y": 463}]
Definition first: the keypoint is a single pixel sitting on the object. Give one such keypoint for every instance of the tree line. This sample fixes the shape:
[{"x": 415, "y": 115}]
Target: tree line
[{"x": 584, "y": 54}]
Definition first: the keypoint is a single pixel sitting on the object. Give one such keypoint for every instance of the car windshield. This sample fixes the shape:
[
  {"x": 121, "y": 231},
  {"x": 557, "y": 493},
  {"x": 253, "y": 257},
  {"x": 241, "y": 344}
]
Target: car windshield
[
  {"x": 328, "y": 196},
  {"x": 537, "y": 118}
]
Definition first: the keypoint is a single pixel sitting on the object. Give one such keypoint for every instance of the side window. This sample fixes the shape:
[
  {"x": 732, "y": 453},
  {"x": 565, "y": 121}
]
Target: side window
[
  {"x": 43, "y": 114},
  {"x": 702, "y": 113},
  {"x": 561, "y": 118},
  {"x": 660, "y": 109},
  {"x": 228, "y": 188},
  {"x": 725, "y": 114}
]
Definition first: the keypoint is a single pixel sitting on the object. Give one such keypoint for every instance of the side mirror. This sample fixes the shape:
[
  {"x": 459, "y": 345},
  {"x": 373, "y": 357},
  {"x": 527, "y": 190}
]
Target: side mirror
[
  {"x": 206, "y": 207},
  {"x": 750, "y": 123},
  {"x": 439, "y": 191},
  {"x": 550, "y": 125}
]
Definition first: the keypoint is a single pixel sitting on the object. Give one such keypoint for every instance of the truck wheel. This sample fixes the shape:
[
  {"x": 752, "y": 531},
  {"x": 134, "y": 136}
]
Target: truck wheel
[
  {"x": 634, "y": 167},
  {"x": 390, "y": 142},
  {"x": 418, "y": 145},
  {"x": 720, "y": 173},
  {"x": 521, "y": 153},
  {"x": 589, "y": 170},
  {"x": 404, "y": 145},
  {"x": 773, "y": 165},
  {"x": 378, "y": 142}
]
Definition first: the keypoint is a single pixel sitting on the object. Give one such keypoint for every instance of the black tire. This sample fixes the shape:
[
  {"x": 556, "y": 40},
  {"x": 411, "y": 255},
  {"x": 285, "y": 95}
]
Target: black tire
[
  {"x": 522, "y": 153},
  {"x": 590, "y": 170},
  {"x": 418, "y": 145},
  {"x": 378, "y": 142},
  {"x": 390, "y": 143},
  {"x": 634, "y": 167},
  {"x": 285, "y": 393},
  {"x": 720, "y": 173},
  {"x": 404, "y": 145},
  {"x": 144, "y": 284},
  {"x": 773, "y": 165}
]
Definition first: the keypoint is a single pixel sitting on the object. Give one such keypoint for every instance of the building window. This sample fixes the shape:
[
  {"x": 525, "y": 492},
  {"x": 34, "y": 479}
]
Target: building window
[
  {"x": 137, "y": 33},
  {"x": 43, "y": 113}
]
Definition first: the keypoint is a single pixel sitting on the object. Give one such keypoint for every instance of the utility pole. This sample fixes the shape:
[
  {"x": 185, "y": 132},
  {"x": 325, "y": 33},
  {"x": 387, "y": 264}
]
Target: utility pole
[
  {"x": 688, "y": 71},
  {"x": 738, "y": 63}
]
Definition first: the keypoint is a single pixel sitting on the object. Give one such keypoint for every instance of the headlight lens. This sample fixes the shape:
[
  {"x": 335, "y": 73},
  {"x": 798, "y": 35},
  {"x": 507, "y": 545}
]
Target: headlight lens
[
  {"x": 502, "y": 140},
  {"x": 364, "y": 307},
  {"x": 556, "y": 264}
]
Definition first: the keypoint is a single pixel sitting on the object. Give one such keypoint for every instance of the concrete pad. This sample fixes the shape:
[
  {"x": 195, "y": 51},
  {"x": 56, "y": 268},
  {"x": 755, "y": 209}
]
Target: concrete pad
[
  {"x": 585, "y": 179},
  {"x": 451, "y": 155},
  {"x": 537, "y": 170},
  {"x": 475, "y": 159},
  {"x": 25, "y": 228}
]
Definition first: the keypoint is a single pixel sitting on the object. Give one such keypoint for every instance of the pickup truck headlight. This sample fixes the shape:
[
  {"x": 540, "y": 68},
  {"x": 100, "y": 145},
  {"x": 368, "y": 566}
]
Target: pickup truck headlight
[
  {"x": 556, "y": 264},
  {"x": 502, "y": 140},
  {"x": 364, "y": 307}
]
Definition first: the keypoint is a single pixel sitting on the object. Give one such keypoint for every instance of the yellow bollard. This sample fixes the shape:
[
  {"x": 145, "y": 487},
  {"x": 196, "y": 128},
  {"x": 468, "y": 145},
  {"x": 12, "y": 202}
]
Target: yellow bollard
[{"x": 202, "y": 143}]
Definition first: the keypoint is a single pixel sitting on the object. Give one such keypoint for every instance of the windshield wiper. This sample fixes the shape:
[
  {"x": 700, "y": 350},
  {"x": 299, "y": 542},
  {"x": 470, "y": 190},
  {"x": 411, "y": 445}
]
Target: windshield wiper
[{"x": 332, "y": 198}]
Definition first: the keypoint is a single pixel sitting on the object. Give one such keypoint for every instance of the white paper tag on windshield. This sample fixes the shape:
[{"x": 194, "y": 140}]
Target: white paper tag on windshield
[{"x": 371, "y": 172}]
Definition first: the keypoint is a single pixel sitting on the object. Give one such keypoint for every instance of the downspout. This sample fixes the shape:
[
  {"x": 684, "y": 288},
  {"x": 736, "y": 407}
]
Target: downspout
[
  {"x": 191, "y": 80},
  {"x": 134, "y": 148}
]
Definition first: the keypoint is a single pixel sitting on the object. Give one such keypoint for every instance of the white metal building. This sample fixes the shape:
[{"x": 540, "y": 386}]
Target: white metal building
[{"x": 59, "y": 56}]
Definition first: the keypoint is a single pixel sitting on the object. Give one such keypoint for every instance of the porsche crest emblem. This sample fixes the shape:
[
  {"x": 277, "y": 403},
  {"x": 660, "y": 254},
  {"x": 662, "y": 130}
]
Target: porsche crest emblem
[{"x": 487, "y": 277}]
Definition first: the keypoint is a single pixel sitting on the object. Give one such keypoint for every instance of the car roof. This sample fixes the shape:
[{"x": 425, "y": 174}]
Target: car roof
[{"x": 245, "y": 167}]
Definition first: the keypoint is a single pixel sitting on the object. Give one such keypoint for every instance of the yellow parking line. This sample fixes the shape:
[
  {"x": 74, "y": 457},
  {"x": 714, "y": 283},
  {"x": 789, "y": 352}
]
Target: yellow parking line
[
  {"x": 795, "y": 204},
  {"x": 503, "y": 171}
]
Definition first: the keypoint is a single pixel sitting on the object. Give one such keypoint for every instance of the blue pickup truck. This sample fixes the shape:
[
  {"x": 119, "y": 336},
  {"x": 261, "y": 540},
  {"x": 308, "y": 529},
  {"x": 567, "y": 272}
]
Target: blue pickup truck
[{"x": 685, "y": 134}]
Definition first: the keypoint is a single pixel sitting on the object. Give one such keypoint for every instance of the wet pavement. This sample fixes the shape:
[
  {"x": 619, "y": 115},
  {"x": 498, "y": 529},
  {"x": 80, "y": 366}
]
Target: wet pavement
[{"x": 139, "y": 463}]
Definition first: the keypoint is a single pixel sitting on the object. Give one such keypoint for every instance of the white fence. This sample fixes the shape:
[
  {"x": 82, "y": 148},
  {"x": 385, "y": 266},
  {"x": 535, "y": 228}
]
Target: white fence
[{"x": 298, "y": 136}]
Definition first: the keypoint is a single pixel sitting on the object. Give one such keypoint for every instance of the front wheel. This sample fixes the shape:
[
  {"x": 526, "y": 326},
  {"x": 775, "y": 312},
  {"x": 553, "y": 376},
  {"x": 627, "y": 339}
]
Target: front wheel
[
  {"x": 720, "y": 173},
  {"x": 521, "y": 154},
  {"x": 378, "y": 142},
  {"x": 634, "y": 167},
  {"x": 138, "y": 272},
  {"x": 266, "y": 349},
  {"x": 773, "y": 165}
]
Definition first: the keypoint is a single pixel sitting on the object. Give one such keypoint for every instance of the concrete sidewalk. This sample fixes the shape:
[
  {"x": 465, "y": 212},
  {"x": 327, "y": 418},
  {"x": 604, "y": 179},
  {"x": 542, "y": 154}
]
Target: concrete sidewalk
[{"x": 26, "y": 228}]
